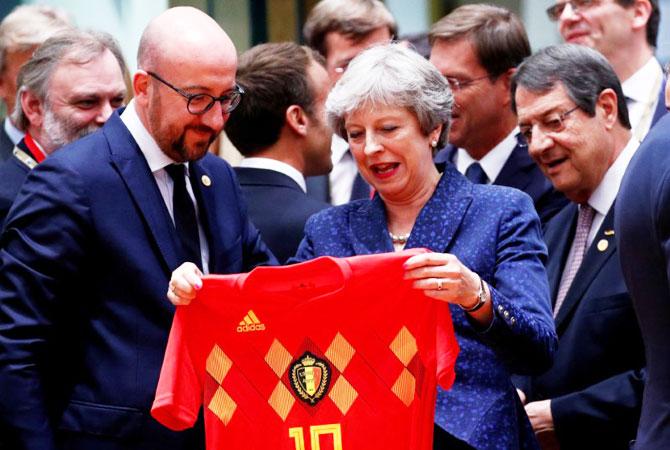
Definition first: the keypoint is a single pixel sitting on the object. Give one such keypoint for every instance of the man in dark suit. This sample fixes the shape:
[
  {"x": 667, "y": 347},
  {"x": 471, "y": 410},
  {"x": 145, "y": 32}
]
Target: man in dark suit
[
  {"x": 477, "y": 48},
  {"x": 21, "y": 32},
  {"x": 572, "y": 112},
  {"x": 282, "y": 131},
  {"x": 643, "y": 235},
  {"x": 339, "y": 30},
  {"x": 68, "y": 89},
  {"x": 97, "y": 228},
  {"x": 625, "y": 32}
]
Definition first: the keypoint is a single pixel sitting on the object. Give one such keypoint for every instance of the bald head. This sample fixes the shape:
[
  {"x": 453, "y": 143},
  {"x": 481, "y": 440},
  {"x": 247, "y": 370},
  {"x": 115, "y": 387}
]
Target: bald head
[
  {"x": 184, "y": 54},
  {"x": 184, "y": 35}
]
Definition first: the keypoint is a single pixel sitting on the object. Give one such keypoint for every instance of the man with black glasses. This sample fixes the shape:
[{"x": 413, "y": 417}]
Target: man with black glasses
[
  {"x": 625, "y": 32},
  {"x": 572, "y": 113},
  {"x": 97, "y": 229},
  {"x": 477, "y": 47}
]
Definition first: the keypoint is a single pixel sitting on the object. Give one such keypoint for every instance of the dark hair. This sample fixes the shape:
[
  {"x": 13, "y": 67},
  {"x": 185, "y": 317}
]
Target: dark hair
[
  {"x": 584, "y": 73},
  {"x": 274, "y": 76},
  {"x": 652, "y": 23},
  {"x": 355, "y": 19},
  {"x": 497, "y": 34}
]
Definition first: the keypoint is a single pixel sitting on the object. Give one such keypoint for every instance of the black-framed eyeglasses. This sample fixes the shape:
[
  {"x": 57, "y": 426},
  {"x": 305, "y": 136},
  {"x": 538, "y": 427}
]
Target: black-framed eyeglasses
[
  {"x": 553, "y": 123},
  {"x": 556, "y": 11},
  {"x": 198, "y": 104},
  {"x": 456, "y": 85}
]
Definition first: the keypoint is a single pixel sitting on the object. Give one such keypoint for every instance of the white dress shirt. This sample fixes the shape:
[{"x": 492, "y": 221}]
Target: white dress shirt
[
  {"x": 641, "y": 91},
  {"x": 277, "y": 166},
  {"x": 344, "y": 172},
  {"x": 493, "y": 162},
  {"x": 15, "y": 135},
  {"x": 157, "y": 161}
]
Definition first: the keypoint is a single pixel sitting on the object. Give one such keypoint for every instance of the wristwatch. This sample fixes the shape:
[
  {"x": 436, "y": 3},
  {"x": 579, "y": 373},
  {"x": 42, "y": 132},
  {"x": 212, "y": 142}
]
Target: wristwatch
[{"x": 481, "y": 295}]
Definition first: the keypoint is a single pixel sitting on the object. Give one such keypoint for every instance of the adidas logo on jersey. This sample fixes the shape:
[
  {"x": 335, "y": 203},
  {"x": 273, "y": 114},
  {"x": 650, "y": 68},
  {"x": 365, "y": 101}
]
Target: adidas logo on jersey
[{"x": 250, "y": 323}]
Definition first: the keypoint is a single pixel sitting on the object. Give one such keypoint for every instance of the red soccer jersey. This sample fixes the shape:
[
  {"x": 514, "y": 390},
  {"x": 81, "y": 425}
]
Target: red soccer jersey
[{"x": 338, "y": 354}]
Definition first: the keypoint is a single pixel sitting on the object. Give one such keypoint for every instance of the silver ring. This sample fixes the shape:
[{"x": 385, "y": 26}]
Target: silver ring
[{"x": 439, "y": 284}]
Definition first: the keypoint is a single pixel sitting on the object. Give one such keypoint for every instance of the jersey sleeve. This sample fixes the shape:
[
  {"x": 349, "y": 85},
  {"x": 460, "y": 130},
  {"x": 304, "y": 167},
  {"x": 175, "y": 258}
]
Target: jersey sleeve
[
  {"x": 446, "y": 347},
  {"x": 179, "y": 391}
]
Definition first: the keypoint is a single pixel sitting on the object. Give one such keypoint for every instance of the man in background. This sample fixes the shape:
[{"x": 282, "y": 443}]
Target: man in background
[
  {"x": 282, "y": 131},
  {"x": 477, "y": 48},
  {"x": 625, "y": 32},
  {"x": 68, "y": 89},
  {"x": 339, "y": 30},
  {"x": 572, "y": 112},
  {"x": 21, "y": 32}
]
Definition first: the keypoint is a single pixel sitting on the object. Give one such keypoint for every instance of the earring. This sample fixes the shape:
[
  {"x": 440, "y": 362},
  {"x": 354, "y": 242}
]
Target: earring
[{"x": 433, "y": 144}]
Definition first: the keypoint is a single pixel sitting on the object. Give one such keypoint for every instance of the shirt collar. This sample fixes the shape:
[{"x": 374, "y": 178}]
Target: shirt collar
[
  {"x": 603, "y": 197},
  {"x": 493, "y": 162},
  {"x": 638, "y": 86},
  {"x": 277, "y": 166},
  {"x": 15, "y": 135},
  {"x": 338, "y": 149},
  {"x": 155, "y": 157}
]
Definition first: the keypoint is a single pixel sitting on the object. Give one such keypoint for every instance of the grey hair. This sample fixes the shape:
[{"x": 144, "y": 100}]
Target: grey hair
[
  {"x": 74, "y": 46},
  {"x": 393, "y": 75},
  {"x": 28, "y": 26},
  {"x": 584, "y": 73}
]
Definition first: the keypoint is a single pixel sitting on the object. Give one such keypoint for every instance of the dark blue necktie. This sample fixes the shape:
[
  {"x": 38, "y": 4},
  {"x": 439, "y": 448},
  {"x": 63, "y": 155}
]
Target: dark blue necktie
[
  {"x": 476, "y": 174},
  {"x": 185, "y": 220}
]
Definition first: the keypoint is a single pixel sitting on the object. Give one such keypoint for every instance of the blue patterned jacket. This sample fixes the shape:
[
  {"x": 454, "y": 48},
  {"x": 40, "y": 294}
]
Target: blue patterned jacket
[{"x": 495, "y": 232}]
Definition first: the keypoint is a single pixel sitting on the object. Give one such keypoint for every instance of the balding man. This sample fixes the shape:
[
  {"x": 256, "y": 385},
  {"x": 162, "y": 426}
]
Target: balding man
[
  {"x": 68, "y": 89},
  {"x": 21, "y": 32},
  {"x": 97, "y": 228}
]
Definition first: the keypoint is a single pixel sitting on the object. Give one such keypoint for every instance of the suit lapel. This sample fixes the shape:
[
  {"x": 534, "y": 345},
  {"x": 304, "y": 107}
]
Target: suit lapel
[
  {"x": 558, "y": 236},
  {"x": 131, "y": 165},
  {"x": 596, "y": 256},
  {"x": 201, "y": 182},
  {"x": 368, "y": 228},
  {"x": 660, "y": 106},
  {"x": 441, "y": 217},
  {"x": 517, "y": 171}
]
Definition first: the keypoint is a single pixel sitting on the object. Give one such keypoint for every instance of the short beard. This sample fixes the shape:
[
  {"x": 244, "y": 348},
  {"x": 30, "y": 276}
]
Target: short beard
[{"x": 58, "y": 131}]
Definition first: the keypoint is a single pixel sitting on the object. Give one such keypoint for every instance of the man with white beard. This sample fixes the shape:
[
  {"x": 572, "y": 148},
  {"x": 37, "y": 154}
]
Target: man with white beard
[{"x": 68, "y": 89}]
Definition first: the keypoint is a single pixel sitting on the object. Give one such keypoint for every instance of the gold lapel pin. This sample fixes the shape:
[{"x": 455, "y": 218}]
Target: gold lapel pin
[
  {"x": 609, "y": 232},
  {"x": 206, "y": 180},
  {"x": 603, "y": 244}
]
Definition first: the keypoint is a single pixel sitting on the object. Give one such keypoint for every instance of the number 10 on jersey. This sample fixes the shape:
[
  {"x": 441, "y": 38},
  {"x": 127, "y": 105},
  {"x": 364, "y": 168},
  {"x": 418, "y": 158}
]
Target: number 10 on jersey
[{"x": 316, "y": 431}]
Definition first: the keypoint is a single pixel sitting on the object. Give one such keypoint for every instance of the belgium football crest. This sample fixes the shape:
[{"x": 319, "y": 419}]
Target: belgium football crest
[{"x": 310, "y": 378}]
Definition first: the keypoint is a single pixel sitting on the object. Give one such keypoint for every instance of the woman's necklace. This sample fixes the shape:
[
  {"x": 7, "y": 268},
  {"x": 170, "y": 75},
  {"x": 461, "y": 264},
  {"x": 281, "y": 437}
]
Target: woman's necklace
[{"x": 399, "y": 239}]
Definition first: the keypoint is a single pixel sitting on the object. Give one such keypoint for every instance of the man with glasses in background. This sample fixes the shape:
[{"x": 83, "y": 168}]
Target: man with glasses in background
[
  {"x": 477, "y": 48},
  {"x": 97, "y": 228},
  {"x": 573, "y": 115},
  {"x": 625, "y": 32},
  {"x": 339, "y": 30}
]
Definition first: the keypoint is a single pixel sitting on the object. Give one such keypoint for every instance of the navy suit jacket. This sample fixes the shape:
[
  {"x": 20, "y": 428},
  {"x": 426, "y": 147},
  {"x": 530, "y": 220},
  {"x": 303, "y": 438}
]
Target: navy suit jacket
[
  {"x": 6, "y": 144},
  {"x": 12, "y": 175},
  {"x": 660, "y": 106},
  {"x": 643, "y": 233},
  {"x": 495, "y": 232},
  {"x": 595, "y": 384},
  {"x": 521, "y": 172},
  {"x": 86, "y": 256},
  {"x": 278, "y": 207}
]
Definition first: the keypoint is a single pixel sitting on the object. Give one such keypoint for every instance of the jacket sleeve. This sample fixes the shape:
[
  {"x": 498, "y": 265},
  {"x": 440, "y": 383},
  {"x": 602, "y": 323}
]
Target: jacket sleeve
[
  {"x": 612, "y": 404},
  {"x": 41, "y": 250},
  {"x": 522, "y": 331}
]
